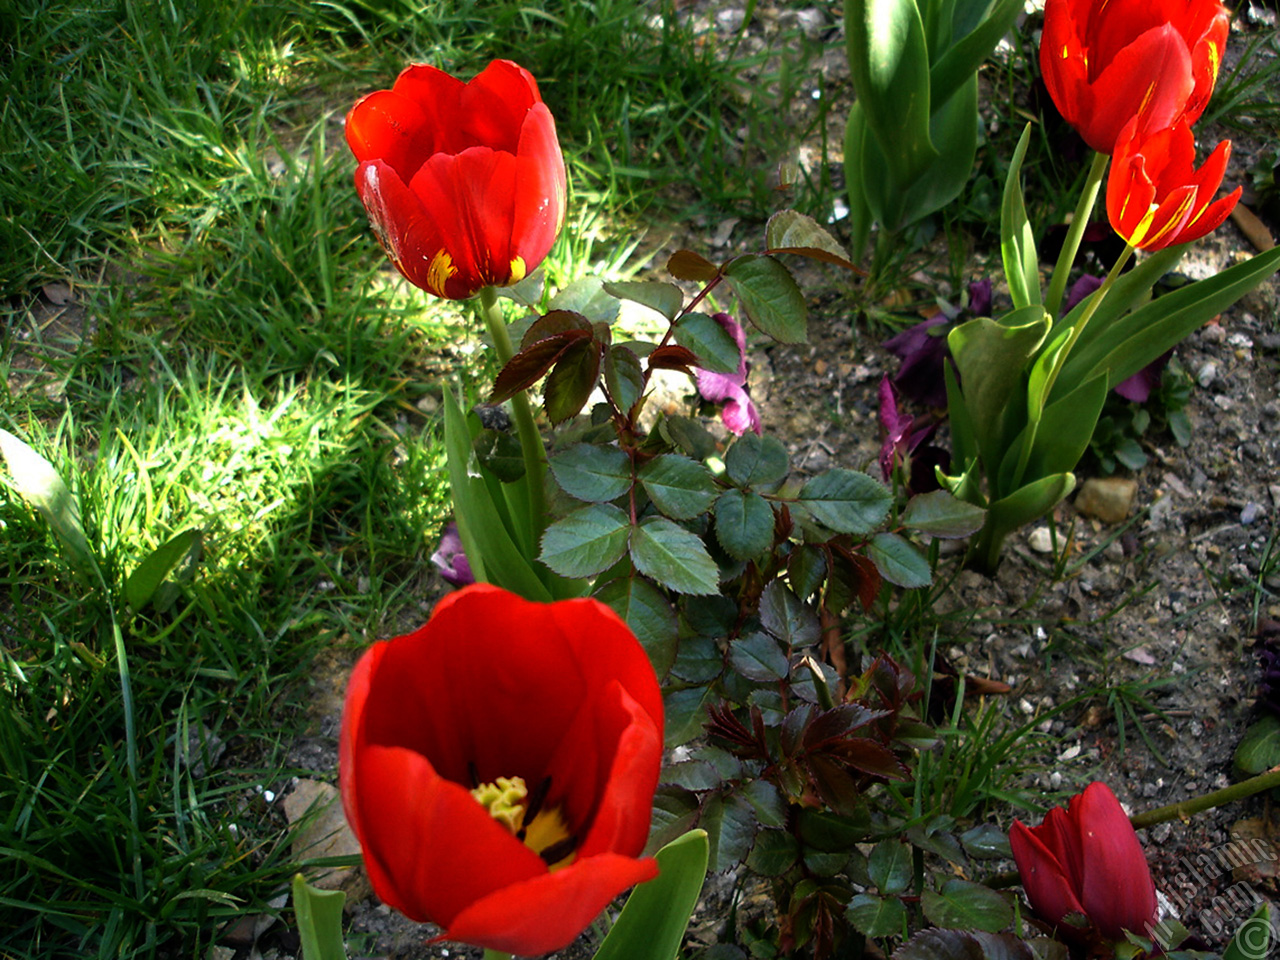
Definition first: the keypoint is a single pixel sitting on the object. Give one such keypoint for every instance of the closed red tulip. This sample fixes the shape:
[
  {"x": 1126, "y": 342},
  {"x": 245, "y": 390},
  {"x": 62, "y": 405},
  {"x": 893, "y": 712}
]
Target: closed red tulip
[
  {"x": 498, "y": 767},
  {"x": 1087, "y": 860},
  {"x": 1155, "y": 195},
  {"x": 464, "y": 182},
  {"x": 1106, "y": 61}
]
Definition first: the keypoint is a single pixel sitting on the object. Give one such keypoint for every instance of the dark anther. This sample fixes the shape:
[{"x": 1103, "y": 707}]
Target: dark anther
[
  {"x": 558, "y": 851},
  {"x": 534, "y": 806}
]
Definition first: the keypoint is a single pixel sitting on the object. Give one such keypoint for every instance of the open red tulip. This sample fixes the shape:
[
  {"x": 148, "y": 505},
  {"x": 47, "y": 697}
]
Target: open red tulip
[
  {"x": 1155, "y": 195},
  {"x": 498, "y": 767},
  {"x": 1106, "y": 61},
  {"x": 464, "y": 182},
  {"x": 1087, "y": 860}
]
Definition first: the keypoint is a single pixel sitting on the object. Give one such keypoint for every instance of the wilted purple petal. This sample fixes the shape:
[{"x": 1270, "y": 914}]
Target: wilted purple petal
[
  {"x": 980, "y": 298},
  {"x": 1079, "y": 290},
  {"x": 923, "y": 353},
  {"x": 451, "y": 559},
  {"x": 1139, "y": 387}
]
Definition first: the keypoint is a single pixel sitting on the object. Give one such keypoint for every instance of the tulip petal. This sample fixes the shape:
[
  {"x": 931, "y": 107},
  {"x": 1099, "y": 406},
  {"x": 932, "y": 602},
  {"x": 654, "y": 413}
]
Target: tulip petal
[
  {"x": 430, "y": 848},
  {"x": 494, "y": 105},
  {"x": 407, "y": 231},
  {"x": 439, "y": 95},
  {"x": 540, "y": 188},
  {"x": 1150, "y": 76},
  {"x": 1048, "y": 887},
  {"x": 548, "y": 912},
  {"x": 389, "y": 127},
  {"x": 352, "y": 721},
  {"x": 1116, "y": 887},
  {"x": 629, "y": 748}
]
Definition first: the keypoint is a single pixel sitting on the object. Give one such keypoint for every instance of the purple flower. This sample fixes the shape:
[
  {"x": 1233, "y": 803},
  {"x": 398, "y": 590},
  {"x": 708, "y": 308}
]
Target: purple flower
[
  {"x": 1079, "y": 290},
  {"x": 923, "y": 349},
  {"x": 451, "y": 559},
  {"x": 902, "y": 445},
  {"x": 738, "y": 413}
]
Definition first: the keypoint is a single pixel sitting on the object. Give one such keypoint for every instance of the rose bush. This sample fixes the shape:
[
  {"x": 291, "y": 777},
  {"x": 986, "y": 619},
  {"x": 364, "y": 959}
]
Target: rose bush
[
  {"x": 498, "y": 766},
  {"x": 464, "y": 183}
]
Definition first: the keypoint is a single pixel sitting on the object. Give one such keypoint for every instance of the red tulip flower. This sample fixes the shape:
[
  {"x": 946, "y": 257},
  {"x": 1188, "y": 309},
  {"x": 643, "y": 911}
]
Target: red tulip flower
[
  {"x": 1156, "y": 197},
  {"x": 498, "y": 767},
  {"x": 464, "y": 182},
  {"x": 1106, "y": 61},
  {"x": 1087, "y": 860}
]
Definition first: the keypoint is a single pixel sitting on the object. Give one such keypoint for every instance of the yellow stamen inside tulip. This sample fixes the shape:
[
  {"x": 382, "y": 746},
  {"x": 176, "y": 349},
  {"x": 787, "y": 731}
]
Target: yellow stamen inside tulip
[
  {"x": 542, "y": 830},
  {"x": 439, "y": 271},
  {"x": 518, "y": 269}
]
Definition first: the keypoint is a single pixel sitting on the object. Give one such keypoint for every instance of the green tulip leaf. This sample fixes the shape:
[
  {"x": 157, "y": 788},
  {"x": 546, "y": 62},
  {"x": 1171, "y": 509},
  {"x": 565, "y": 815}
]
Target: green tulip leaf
[
  {"x": 155, "y": 568},
  {"x": 1253, "y": 937},
  {"x": 1017, "y": 239},
  {"x": 968, "y": 905},
  {"x": 1133, "y": 341},
  {"x": 857, "y": 177},
  {"x": 673, "y": 557},
  {"x": 991, "y": 356},
  {"x": 1062, "y": 437},
  {"x": 1029, "y": 502},
  {"x": 679, "y": 487},
  {"x": 34, "y": 479},
  {"x": 769, "y": 294},
  {"x": 713, "y": 345},
  {"x": 744, "y": 524},
  {"x": 596, "y": 474},
  {"x": 490, "y": 546},
  {"x": 965, "y": 55},
  {"x": 954, "y": 131},
  {"x": 319, "y": 918},
  {"x": 664, "y": 298},
  {"x": 652, "y": 923},
  {"x": 889, "y": 62}
]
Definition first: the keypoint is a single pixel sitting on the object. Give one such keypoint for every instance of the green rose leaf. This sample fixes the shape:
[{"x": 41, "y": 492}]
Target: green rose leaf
[
  {"x": 770, "y": 297},
  {"x": 846, "y": 501},
  {"x": 679, "y": 487},
  {"x": 744, "y": 524},
  {"x": 674, "y": 557},
  {"x": 596, "y": 474},
  {"x": 967, "y": 905},
  {"x": 587, "y": 541}
]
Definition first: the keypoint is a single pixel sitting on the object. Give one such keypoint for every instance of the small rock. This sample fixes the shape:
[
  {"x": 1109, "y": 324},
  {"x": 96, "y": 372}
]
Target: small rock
[
  {"x": 1040, "y": 540},
  {"x": 1207, "y": 374},
  {"x": 1213, "y": 333},
  {"x": 322, "y": 834},
  {"x": 1251, "y": 512},
  {"x": 731, "y": 19},
  {"x": 1223, "y": 402},
  {"x": 1106, "y": 498}
]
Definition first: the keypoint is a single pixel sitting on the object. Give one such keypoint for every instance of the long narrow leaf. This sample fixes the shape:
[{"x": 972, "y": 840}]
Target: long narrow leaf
[
  {"x": 1017, "y": 240},
  {"x": 319, "y": 915},
  {"x": 967, "y": 53},
  {"x": 653, "y": 922}
]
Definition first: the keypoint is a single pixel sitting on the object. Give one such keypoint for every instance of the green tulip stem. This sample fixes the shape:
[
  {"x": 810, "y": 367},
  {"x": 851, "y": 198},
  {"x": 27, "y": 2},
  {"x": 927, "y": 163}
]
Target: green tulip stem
[
  {"x": 1067, "y": 257},
  {"x": 1188, "y": 808},
  {"x": 496, "y": 955},
  {"x": 531, "y": 446}
]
